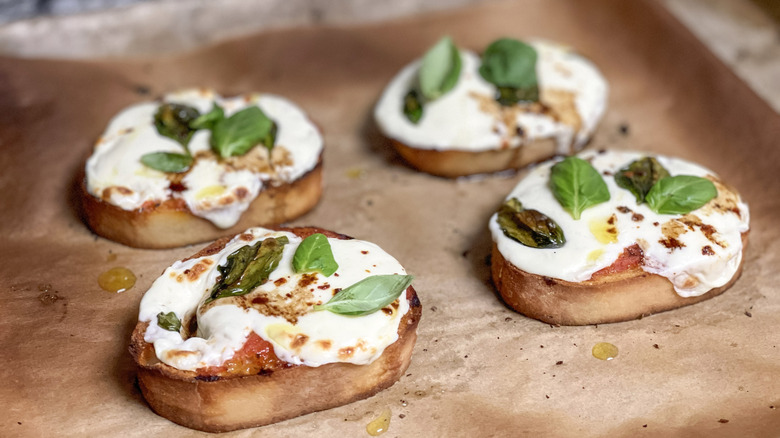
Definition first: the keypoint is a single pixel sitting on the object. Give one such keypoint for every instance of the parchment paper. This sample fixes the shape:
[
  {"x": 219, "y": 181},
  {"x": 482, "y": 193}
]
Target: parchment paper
[{"x": 479, "y": 369}]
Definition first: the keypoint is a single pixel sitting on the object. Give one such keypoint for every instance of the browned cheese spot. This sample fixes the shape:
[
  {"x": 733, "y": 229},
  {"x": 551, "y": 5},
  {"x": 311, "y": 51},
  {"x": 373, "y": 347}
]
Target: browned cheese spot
[
  {"x": 346, "y": 353},
  {"x": 671, "y": 243},
  {"x": 324, "y": 344},
  {"x": 119, "y": 189},
  {"x": 623, "y": 209},
  {"x": 707, "y": 250},
  {"x": 298, "y": 341},
  {"x": 241, "y": 193},
  {"x": 246, "y": 237},
  {"x": 198, "y": 269},
  {"x": 179, "y": 353},
  {"x": 726, "y": 201},
  {"x": 280, "y": 281}
]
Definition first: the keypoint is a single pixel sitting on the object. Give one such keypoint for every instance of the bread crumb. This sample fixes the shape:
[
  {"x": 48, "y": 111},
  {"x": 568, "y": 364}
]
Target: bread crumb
[{"x": 723, "y": 420}]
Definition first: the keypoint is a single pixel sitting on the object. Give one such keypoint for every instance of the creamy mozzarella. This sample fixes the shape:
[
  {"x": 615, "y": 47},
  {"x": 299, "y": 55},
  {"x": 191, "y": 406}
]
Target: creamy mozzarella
[
  {"x": 457, "y": 120},
  {"x": 224, "y": 325},
  {"x": 214, "y": 189},
  {"x": 692, "y": 268}
]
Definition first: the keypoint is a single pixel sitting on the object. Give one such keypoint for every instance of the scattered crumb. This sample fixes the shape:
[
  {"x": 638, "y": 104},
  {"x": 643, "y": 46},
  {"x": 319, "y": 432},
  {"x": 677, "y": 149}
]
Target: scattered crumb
[
  {"x": 434, "y": 308},
  {"x": 748, "y": 314},
  {"x": 466, "y": 356},
  {"x": 624, "y": 128},
  {"x": 507, "y": 319},
  {"x": 644, "y": 425},
  {"x": 723, "y": 420},
  {"x": 546, "y": 396},
  {"x": 401, "y": 415},
  {"x": 541, "y": 346},
  {"x": 656, "y": 346}
]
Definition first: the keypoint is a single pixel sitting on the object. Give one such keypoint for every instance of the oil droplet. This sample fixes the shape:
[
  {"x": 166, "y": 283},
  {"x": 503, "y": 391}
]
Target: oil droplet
[
  {"x": 209, "y": 192},
  {"x": 605, "y": 351},
  {"x": 380, "y": 424},
  {"x": 605, "y": 229},
  {"x": 595, "y": 254},
  {"x": 111, "y": 257},
  {"x": 355, "y": 173},
  {"x": 116, "y": 279}
]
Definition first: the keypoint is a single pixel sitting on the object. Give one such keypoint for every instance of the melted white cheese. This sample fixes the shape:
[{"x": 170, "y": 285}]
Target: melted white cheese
[
  {"x": 455, "y": 120},
  {"x": 210, "y": 184},
  {"x": 223, "y": 328},
  {"x": 691, "y": 272}
]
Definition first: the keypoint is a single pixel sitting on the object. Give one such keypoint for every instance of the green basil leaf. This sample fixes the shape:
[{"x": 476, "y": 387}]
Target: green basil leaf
[
  {"x": 315, "y": 254},
  {"x": 173, "y": 120},
  {"x": 256, "y": 271},
  {"x": 367, "y": 295},
  {"x": 208, "y": 120},
  {"x": 239, "y": 133},
  {"x": 680, "y": 194},
  {"x": 511, "y": 66},
  {"x": 167, "y": 161},
  {"x": 640, "y": 176},
  {"x": 169, "y": 321},
  {"x": 413, "y": 107},
  {"x": 577, "y": 185},
  {"x": 529, "y": 227},
  {"x": 440, "y": 69}
]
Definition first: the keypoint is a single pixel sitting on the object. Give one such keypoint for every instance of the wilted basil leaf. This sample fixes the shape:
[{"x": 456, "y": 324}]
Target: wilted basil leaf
[
  {"x": 640, "y": 176},
  {"x": 511, "y": 66},
  {"x": 256, "y": 272},
  {"x": 529, "y": 227},
  {"x": 239, "y": 133},
  {"x": 315, "y": 254},
  {"x": 577, "y": 185},
  {"x": 173, "y": 120},
  {"x": 167, "y": 161},
  {"x": 208, "y": 120},
  {"x": 270, "y": 139},
  {"x": 440, "y": 69},
  {"x": 169, "y": 321},
  {"x": 368, "y": 295},
  {"x": 413, "y": 107},
  {"x": 680, "y": 194}
]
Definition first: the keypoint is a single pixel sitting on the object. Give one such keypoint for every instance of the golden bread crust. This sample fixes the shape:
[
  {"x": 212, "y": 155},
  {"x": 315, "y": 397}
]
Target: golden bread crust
[
  {"x": 621, "y": 296},
  {"x": 215, "y": 404},
  {"x": 171, "y": 224},
  {"x": 451, "y": 163}
]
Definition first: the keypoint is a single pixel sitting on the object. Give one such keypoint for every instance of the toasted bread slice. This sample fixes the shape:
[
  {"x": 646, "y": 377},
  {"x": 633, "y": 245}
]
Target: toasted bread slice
[
  {"x": 215, "y": 402},
  {"x": 171, "y": 224},
  {"x": 158, "y": 179},
  {"x": 466, "y": 131},
  {"x": 623, "y": 256}
]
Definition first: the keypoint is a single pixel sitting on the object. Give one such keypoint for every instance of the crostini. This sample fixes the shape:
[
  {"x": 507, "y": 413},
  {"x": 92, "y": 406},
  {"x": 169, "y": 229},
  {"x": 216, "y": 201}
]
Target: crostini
[
  {"x": 272, "y": 324},
  {"x": 456, "y": 113},
  {"x": 195, "y": 166},
  {"x": 610, "y": 236}
]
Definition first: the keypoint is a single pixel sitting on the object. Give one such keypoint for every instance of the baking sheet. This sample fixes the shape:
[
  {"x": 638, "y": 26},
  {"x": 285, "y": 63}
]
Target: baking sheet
[{"x": 479, "y": 369}]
